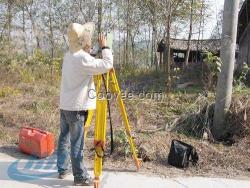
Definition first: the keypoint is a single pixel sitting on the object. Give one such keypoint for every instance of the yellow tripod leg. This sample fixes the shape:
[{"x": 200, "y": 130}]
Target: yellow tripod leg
[
  {"x": 100, "y": 139},
  {"x": 88, "y": 122},
  {"x": 97, "y": 81},
  {"x": 128, "y": 132},
  {"x": 114, "y": 86}
]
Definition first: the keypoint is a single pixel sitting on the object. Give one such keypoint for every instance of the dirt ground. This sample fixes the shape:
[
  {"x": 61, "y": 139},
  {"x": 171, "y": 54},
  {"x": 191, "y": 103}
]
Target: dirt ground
[{"x": 153, "y": 124}]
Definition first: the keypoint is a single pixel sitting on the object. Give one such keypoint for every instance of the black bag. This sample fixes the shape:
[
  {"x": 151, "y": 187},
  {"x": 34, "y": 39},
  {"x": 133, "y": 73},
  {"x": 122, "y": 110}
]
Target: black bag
[{"x": 181, "y": 154}]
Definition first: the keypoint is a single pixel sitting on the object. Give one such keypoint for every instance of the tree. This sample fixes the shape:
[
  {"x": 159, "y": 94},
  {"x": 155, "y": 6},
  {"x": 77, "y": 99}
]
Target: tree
[
  {"x": 139, "y": 25},
  {"x": 217, "y": 31},
  {"x": 224, "y": 86},
  {"x": 150, "y": 13},
  {"x": 51, "y": 38},
  {"x": 168, "y": 53},
  {"x": 199, "y": 30},
  {"x": 87, "y": 8},
  {"x": 99, "y": 16},
  {"x": 9, "y": 18},
  {"x": 21, "y": 9},
  {"x": 32, "y": 11},
  {"x": 190, "y": 34},
  {"x": 172, "y": 7}
]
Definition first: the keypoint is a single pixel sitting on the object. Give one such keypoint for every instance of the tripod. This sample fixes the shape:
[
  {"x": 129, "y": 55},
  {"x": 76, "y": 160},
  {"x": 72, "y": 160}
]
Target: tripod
[{"x": 112, "y": 86}]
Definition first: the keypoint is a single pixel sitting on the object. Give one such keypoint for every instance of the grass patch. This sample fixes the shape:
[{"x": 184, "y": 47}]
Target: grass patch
[
  {"x": 8, "y": 91},
  {"x": 188, "y": 90},
  {"x": 37, "y": 106},
  {"x": 241, "y": 90},
  {"x": 4, "y": 136}
]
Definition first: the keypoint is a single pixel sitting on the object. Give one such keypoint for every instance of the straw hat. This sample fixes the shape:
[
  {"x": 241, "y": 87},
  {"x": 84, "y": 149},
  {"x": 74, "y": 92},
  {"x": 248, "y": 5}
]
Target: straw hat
[{"x": 80, "y": 36}]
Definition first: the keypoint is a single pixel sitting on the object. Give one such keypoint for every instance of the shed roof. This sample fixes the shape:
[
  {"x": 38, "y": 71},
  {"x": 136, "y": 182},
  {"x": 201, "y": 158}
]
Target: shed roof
[{"x": 212, "y": 45}]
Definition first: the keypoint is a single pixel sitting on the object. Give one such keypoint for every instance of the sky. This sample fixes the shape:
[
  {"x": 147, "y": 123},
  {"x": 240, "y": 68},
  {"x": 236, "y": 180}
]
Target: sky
[{"x": 216, "y": 6}]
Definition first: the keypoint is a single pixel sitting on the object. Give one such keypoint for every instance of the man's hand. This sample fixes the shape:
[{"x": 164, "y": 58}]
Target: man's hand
[{"x": 102, "y": 40}]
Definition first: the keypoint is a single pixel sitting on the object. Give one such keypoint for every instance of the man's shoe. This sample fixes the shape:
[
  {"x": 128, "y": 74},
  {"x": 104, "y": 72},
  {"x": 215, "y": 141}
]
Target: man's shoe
[
  {"x": 63, "y": 175},
  {"x": 83, "y": 182}
]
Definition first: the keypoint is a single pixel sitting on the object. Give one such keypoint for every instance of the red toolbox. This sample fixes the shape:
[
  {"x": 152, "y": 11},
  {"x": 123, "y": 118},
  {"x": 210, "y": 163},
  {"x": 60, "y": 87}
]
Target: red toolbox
[{"x": 36, "y": 142}]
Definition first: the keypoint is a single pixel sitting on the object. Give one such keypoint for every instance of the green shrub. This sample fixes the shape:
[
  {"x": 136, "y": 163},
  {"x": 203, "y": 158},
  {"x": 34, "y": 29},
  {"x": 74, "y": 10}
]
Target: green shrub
[
  {"x": 241, "y": 76},
  {"x": 212, "y": 66},
  {"x": 122, "y": 139}
]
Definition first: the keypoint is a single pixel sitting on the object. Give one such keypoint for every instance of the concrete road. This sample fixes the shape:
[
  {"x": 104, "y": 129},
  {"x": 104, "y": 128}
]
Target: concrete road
[{"x": 26, "y": 173}]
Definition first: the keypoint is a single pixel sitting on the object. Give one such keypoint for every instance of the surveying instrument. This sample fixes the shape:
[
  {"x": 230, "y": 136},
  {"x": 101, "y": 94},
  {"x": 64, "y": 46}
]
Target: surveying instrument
[{"x": 110, "y": 83}]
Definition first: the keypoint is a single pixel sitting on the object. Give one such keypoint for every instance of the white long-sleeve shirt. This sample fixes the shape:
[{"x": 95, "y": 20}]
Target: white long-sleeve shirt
[{"x": 77, "y": 85}]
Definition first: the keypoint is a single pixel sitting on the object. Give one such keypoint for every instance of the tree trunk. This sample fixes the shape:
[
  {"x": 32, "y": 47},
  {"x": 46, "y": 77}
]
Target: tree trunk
[
  {"x": 24, "y": 32},
  {"x": 189, "y": 36},
  {"x": 168, "y": 63},
  {"x": 99, "y": 29},
  {"x": 9, "y": 20},
  {"x": 119, "y": 36},
  {"x": 126, "y": 46},
  {"x": 127, "y": 33},
  {"x": 199, "y": 33},
  {"x": 124, "y": 49},
  {"x": 224, "y": 86},
  {"x": 132, "y": 38},
  {"x": 154, "y": 53},
  {"x": 34, "y": 27},
  {"x": 51, "y": 38},
  {"x": 154, "y": 39},
  {"x": 51, "y": 35},
  {"x": 147, "y": 39},
  {"x": 152, "y": 50}
]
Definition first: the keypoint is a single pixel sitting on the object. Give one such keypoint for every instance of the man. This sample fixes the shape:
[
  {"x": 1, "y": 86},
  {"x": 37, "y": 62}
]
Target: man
[{"x": 77, "y": 82}]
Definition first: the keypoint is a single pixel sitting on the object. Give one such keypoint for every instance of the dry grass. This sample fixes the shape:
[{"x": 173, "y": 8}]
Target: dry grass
[
  {"x": 154, "y": 124},
  {"x": 35, "y": 105}
]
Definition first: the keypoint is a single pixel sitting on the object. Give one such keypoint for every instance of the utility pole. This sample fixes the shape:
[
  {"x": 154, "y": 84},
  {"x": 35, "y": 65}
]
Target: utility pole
[{"x": 225, "y": 81}]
